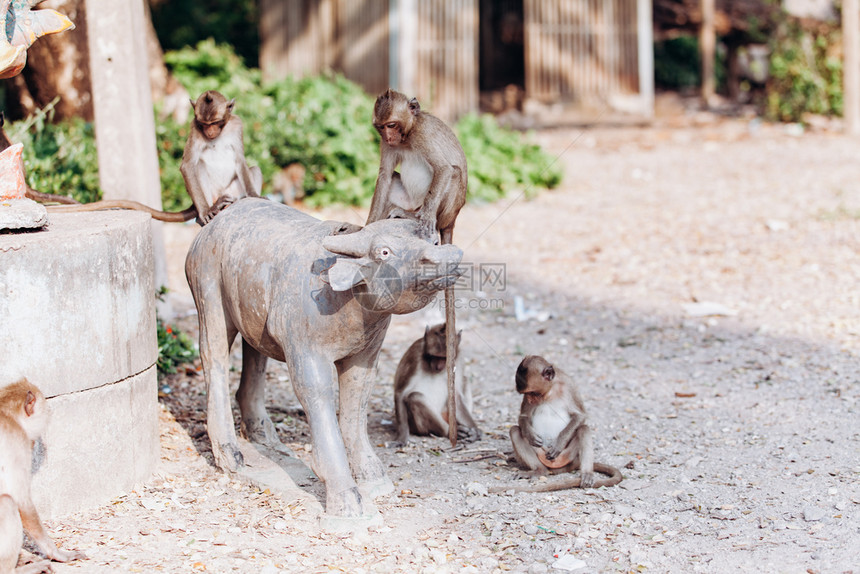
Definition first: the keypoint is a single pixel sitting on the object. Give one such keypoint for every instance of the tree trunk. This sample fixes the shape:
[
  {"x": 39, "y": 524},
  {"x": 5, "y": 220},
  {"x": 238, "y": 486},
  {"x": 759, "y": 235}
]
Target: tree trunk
[{"x": 57, "y": 65}]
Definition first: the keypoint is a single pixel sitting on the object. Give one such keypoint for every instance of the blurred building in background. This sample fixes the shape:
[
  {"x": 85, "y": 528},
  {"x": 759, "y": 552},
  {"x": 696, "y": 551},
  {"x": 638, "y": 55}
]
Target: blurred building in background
[{"x": 459, "y": 56}]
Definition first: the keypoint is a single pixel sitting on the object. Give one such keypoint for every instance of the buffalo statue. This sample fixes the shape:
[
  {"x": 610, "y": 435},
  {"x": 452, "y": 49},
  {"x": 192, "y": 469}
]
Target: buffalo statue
[{"x": 319, "y": 296}]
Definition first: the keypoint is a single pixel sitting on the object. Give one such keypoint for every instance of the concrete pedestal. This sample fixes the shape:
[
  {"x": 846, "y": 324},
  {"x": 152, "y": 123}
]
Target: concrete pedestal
[{"x": 77, "y": 318}]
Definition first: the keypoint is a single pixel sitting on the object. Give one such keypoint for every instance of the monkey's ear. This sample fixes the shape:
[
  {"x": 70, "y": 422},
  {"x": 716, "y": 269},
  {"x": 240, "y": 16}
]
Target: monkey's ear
[
  {"x": 548, "y": 373},
  {"x": 414, "y": 106},
  {"x": 345, "y": 274},
  {"x": 230, "y": 105},
  {"x": 30, "y": 404},
  {"x": 193, "y": 104}
]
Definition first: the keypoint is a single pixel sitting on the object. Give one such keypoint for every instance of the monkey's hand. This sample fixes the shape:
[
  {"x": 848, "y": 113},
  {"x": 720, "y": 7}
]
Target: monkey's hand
[
  {"x": 534, "y": 440},
  {"x": 552, "y": 452},
  {"x": 587, "y": 480}
]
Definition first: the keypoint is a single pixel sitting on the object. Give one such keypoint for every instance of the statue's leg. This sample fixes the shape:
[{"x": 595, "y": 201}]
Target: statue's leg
[
  {"x": 355, "y": 378},
  {"x": 314, "y": 382},
  {"x": 251, "y": 396},
  {"x": 216, "y": 336}
]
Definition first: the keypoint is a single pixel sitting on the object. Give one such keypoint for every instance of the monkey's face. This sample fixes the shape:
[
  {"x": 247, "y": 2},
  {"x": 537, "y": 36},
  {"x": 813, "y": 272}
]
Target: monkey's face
[
  {"x": 392, "y": 117},
  {"x": 212, "y": 130},
  {"x": 392, "y": 133},
  {"x": 534, "y": 378}
]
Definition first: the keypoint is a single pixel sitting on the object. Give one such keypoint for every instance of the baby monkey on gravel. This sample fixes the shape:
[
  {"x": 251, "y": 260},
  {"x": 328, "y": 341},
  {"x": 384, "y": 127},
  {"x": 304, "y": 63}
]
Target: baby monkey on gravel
[
  {"x": 553, "y": 435},
  {"x": 421, "y": 390}
]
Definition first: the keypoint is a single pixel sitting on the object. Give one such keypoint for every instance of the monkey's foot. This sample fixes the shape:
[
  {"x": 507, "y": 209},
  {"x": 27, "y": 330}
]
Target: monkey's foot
[
  {"x": 374, "y": 489},
  {"x": 586, "y": 480},
  {"x": 66, "y": 555},
  {"x": 427, "y": 229}
]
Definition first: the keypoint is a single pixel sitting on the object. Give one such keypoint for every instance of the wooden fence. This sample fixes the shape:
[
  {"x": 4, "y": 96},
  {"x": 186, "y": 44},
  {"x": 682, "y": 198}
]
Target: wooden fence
[
  {"x": 302, "y": 37},
  {"x": 581, "y": 50}
]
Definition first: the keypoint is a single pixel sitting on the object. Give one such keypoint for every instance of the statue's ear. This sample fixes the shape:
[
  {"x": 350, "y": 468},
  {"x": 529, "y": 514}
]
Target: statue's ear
[{"x": 345, "y": 274}]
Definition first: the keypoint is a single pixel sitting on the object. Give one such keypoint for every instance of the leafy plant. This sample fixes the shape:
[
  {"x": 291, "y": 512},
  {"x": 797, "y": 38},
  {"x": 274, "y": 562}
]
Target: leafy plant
[
  {"x": 805, "y": 71},
  {"x": 321, "y": 122},
  {"x": 58, "y": 158},
  {"x": 501, "y": 160},
  {"x": 174, "y": 348}
]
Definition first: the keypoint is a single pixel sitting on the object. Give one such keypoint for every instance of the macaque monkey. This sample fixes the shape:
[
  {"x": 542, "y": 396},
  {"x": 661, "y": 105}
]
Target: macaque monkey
[
  {"x": 553, "y": 435},
  {"x": 431, "y": 186},
  {"x": 421, "y": 392},
  {"x": 23, "y": 418},
  {"x": 213, "y": 163},
  {"x": 287, "y": 185},
  {"x": 213, "y": 166}
]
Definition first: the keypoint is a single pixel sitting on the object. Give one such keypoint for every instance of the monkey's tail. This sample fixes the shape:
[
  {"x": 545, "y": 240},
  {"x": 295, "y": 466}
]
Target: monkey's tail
[
  {"x": 168, "y": 216},
  {"x": 613, "y": 477},
  {"x": 49, "y": 197}
]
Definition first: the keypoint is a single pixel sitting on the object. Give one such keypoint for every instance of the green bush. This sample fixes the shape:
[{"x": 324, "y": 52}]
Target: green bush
[
  {"x": 174, "y": 348},
  {"x": 322, "y": 122},
  {"x": 58, "y": 158},
  {"x": 501, "y": 160},
  {"x": 805, "y": 71}
]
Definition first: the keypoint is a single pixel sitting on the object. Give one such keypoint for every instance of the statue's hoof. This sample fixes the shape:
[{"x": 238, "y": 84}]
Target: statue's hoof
[
  {"x": 333, "y": 523},
  {"x": 228, "y": 457},
  {"x": 376, "y": 488}
]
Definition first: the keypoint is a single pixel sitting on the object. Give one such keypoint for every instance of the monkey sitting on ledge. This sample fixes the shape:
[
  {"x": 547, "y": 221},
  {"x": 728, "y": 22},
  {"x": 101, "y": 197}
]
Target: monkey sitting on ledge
[{"x": 553, "y": 435}]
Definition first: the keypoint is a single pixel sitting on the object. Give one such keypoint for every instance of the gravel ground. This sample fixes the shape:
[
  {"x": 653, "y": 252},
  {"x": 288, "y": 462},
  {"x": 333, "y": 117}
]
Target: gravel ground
[{"x": 737, "y": 432}]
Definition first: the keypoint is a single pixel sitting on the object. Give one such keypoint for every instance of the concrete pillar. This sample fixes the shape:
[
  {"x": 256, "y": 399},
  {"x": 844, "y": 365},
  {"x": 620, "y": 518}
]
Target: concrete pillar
[
  {"x": 78, "y": 321},
  {"x": 645, "y": 37},
  {"x": 124, "y": 118},
  {"x": 708, "y": 50},
  {"x": 851, "y": 68}
]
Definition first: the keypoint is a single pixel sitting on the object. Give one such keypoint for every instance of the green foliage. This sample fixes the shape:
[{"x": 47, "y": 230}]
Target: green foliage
[
  {"x": 321, "y": 122},
  {"x": 180, "y": 23},
  {"x": 211, "y": 66},
  {"x": 805, "y": 71},
  {"x": 501, "y": 160},
  {"x": 174, "y": 348},
  {"x": 677, "y": 63},
  {"x": 58, "y": 158}
]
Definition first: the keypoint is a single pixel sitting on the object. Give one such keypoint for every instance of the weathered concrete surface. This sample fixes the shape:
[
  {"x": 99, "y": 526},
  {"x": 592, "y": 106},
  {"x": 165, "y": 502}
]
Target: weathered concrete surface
[
  {"x": 77, "y": 302},
  {"x": 77, "y": 318},
  {"x": 100, "y": 443},
  {"x": 22, "y": 213}
]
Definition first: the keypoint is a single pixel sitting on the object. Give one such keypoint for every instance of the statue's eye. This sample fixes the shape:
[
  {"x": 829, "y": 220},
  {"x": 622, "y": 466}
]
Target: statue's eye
[{"x": 384, "y": 253}]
